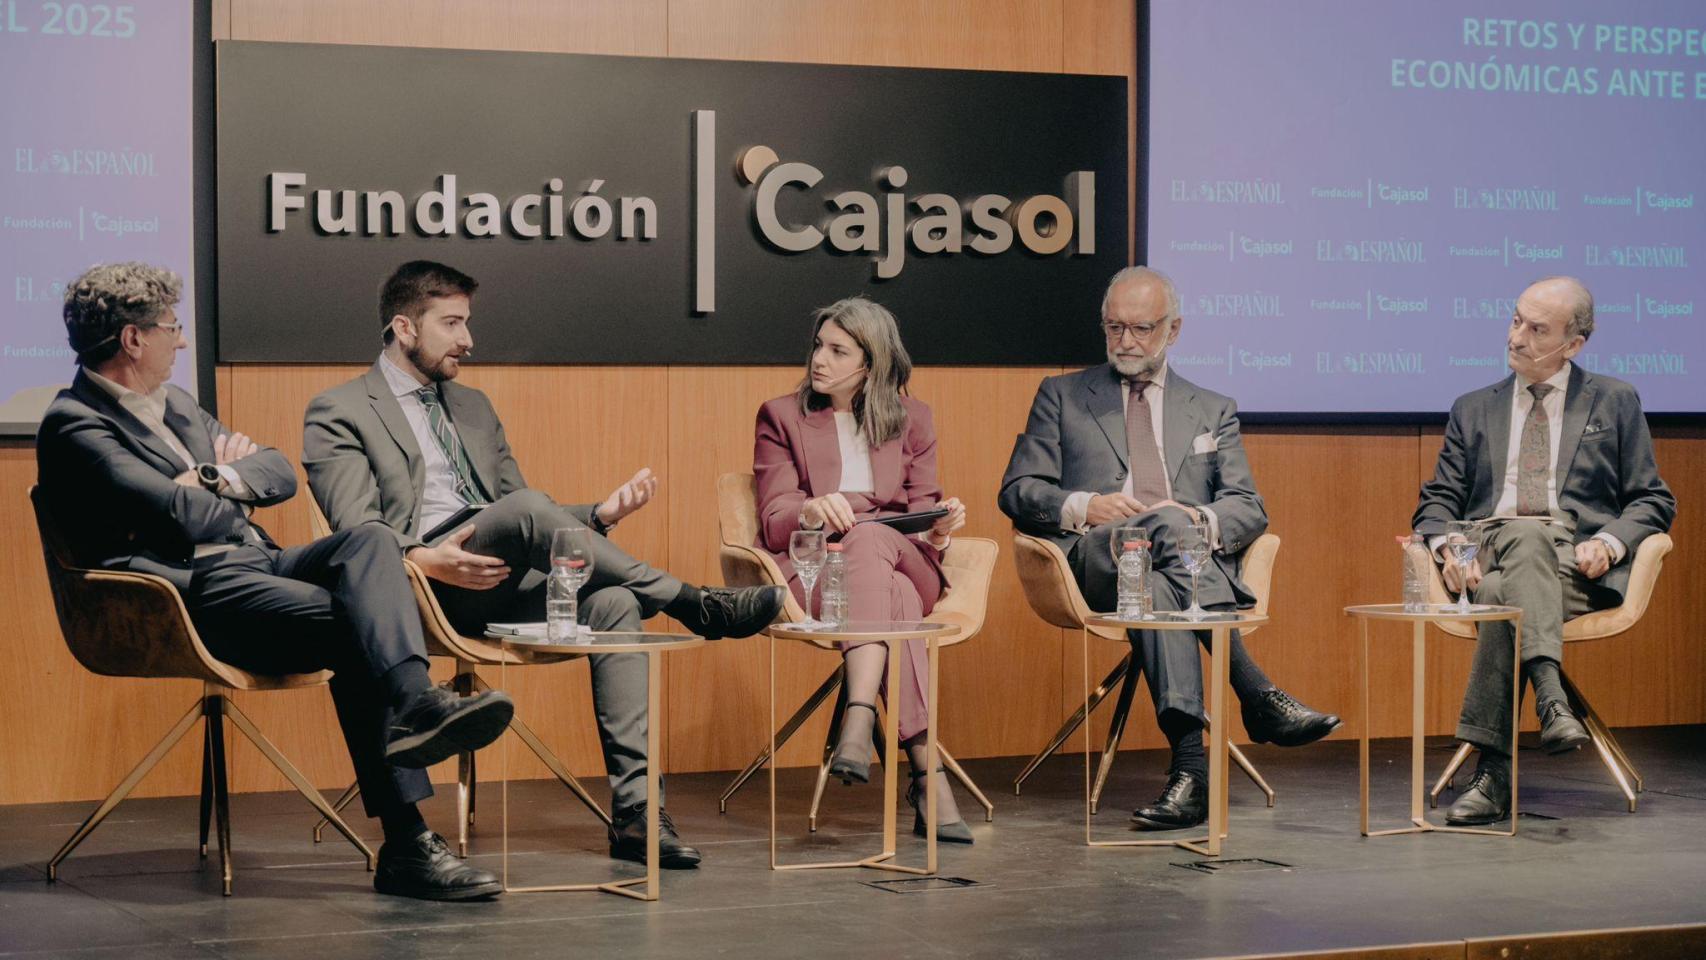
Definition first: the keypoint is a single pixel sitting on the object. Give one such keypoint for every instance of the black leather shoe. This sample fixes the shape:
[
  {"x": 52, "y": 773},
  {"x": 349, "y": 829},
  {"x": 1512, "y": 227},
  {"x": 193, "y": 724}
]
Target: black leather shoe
[
  {"x": 628, "y": 840},
  {"x": 424, "y": 868},
  {"x": 1274, "y": 717},
  {"x": 1487, "y": 799},
  {"x": 1183, "y": 803},
  {"x": 437, "y": 724},
  {"x": 723, "y": 612},
  {"x": 1560, "y": 731}
]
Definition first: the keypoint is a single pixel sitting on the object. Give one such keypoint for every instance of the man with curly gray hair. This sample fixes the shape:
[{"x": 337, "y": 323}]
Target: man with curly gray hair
[{"x": 141, "y": 478}]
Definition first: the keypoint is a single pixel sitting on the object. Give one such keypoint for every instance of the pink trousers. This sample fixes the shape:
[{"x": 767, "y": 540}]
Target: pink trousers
[{"x": 889, "y": 578}]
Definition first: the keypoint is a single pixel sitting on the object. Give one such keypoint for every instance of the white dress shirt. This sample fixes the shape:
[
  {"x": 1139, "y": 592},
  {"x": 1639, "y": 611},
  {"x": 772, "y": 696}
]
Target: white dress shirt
[
  {"x": 439, "y": 499},
  {"x": 1075, "y": 511},
  {"x": 150, "y": 408}
]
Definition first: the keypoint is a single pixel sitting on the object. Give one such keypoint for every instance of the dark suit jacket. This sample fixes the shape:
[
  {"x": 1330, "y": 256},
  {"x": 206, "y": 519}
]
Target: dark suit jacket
[
  {"x": 364, "y": 465},
  {"x": 1075, "y": 440},
  {"x": 1607, "y": 479},
  {"x": 797, "y": 456},
  {"x": 109, "y": 482}
]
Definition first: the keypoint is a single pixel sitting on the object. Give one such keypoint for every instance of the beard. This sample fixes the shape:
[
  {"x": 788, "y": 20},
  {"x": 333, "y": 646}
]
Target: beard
[
  {"x": 1140, "y": 369},
  {"x": 434, "y": 370}
]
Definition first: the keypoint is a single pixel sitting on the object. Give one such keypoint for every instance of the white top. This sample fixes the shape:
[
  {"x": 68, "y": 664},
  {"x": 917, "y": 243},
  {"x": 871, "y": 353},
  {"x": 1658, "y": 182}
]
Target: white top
[
  {"x": 439, "y": 499},
  {"x": 855, "y": 456},
  {"x": 1077, "y": 506}
]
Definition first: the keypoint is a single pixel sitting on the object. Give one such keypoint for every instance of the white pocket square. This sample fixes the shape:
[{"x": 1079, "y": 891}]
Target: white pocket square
[{"x": 1204, "y": 443}]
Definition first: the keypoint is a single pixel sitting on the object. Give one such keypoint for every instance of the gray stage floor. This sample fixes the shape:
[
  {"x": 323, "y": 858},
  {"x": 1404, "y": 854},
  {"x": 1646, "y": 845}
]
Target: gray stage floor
[{"x": 136, "y": 889}]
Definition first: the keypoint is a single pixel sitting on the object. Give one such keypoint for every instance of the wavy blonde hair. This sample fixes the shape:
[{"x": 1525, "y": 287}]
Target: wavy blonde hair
[{"x": 888, "y": 368}]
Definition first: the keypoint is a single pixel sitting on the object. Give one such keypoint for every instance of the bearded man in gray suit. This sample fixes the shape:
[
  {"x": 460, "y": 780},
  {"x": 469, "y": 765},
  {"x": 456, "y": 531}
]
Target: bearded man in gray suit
[
  {"x": 1132, "y": 441},
  {"x": 1560, "y": 463},
  {"x": 404, "y": 447}
]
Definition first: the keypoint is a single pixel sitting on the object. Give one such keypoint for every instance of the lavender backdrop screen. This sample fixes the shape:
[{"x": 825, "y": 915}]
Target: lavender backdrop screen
[
  {"x": 1351, "y": 194},
  {"x": 95, "y": 166}
]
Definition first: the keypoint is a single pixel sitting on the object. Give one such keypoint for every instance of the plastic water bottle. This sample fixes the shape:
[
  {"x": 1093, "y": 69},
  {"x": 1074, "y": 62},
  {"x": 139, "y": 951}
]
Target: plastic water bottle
[
  {"x": 562, "y": 592},
  {"x": 832, "y": 588},
  {"x": 1415, "y": 584},
  {"x": 1134, "y": 600}
]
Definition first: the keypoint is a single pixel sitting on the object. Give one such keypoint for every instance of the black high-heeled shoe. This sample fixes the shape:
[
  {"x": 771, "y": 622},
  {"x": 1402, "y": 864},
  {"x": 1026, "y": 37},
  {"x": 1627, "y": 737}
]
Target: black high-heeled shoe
[
  {"x": 845, "y": 764},
  {"x": 956, "y": 832}
]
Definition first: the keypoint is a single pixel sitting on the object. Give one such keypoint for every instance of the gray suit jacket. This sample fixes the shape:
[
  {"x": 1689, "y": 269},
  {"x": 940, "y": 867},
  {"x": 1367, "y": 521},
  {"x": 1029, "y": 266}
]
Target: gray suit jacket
[
  {"x": 1075, "y": 440},
  {"x": 1607, "y": 478},
  {"x": 110, "y": 487},
  {"x": 364, "y": 465}
]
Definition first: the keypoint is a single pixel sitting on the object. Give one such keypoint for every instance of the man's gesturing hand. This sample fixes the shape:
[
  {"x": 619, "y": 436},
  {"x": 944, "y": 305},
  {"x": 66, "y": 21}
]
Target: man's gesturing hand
[{"x": 627, "y": 498}]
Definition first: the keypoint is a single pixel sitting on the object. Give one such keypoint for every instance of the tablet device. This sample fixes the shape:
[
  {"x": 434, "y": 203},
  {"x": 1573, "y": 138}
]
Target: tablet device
[
  {"x": 456, "y": 521},
  {"x": 911, "y": 522}
]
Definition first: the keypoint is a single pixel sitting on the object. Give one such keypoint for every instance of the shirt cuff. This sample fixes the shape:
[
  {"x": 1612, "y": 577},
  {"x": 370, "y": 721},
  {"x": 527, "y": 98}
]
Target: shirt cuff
[
  {"x": 234, "y": 486},
  {"x": 1074, "y": 513},
  {"x": 1618, "y": 550}
]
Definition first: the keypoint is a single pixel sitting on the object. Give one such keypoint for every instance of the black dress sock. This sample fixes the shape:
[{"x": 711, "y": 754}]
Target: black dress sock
[
  {"x": 402, "y": 823},
  {"x": 1184, "y": 736},
  {"x": 405, "y": 680},
  {"x": 1548, "y": 684}
]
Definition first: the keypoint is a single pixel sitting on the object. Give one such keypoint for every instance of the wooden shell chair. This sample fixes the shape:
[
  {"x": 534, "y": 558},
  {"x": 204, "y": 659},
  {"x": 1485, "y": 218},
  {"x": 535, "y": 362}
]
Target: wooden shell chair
[
  {"x": 1598, "y": 625},
  {"x": 969, "y": 563},
  {"x": 1054, "y": 595},
  {"x": 120, "y": 623},
  {"x": 468, "y": 653}
]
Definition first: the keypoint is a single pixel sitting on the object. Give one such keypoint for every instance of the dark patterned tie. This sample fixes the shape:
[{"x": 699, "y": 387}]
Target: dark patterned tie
[
  {"x": 451, "y": 445},
  {"x": 1148, "y": 479},
  {"x": 1534, "y": 456}
]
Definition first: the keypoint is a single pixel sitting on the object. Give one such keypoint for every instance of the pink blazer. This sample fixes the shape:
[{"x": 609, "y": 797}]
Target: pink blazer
[{"x": 797, "y": 456}]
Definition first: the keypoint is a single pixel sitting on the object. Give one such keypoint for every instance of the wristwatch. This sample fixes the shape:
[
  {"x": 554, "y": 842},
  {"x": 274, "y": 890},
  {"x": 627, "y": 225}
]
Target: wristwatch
[
  {"x": 209, "y": 476},
  {"x": 599, "y": 526}
]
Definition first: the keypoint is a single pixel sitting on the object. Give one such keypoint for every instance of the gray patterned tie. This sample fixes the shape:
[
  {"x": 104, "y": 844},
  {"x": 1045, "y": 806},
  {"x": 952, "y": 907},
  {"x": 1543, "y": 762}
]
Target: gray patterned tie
[
  {"x": 1534, "y": 456},
  {"x": 1148, "y": 479},
  {"x": 451, "y": 445}
]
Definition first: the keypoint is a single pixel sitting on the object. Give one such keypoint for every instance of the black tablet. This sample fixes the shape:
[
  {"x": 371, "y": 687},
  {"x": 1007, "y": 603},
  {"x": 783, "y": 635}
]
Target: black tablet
[
  {"x": 457, "y": 521},
  {"x": 911, "y": 522}
]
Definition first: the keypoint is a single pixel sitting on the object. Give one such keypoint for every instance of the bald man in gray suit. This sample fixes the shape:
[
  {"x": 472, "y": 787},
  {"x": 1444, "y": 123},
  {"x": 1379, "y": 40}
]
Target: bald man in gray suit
[
  {"x": 1074, "y": 479},
  {"x": 1559, "y": 463}
]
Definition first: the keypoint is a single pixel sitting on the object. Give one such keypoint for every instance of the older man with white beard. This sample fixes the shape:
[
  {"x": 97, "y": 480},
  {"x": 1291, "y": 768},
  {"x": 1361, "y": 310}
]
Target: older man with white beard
[{"x": 1130, "y": 440}]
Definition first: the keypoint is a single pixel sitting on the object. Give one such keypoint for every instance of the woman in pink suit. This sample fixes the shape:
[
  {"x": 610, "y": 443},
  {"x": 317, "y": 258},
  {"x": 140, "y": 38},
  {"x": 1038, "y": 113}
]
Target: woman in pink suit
[{"x": 849, "y": 444}]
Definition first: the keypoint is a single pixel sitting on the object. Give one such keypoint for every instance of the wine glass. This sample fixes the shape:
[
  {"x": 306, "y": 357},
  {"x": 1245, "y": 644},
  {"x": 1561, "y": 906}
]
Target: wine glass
[
  {"x": 1462, "y": 541},
  {"x": 1194, "y": 550},
  {"x": 571, "y": 555},
  {"x": 807, "y": 549}
]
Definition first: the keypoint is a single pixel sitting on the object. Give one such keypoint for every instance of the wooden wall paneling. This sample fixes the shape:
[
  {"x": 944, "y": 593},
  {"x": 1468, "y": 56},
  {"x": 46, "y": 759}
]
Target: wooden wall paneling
[
  {"x": 624, "y": 27},
  {"x": 1100, "y": 36},
  {"x": 965, "y": 34},
  {"x": 718, "y": 694},
  {"x": 999, "y": 689}
]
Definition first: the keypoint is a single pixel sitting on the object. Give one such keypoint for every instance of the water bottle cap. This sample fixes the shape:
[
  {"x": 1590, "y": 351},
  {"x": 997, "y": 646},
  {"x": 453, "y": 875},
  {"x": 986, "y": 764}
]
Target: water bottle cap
[
  {"x": 836, "y": 547},
  {"x": 576, "y": 564},
  {"x": 1134, "y": 544}
]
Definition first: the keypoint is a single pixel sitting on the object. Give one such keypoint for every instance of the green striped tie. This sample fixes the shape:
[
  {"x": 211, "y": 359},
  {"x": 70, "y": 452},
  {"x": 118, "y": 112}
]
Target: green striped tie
[{"x": 448, "y": 442}]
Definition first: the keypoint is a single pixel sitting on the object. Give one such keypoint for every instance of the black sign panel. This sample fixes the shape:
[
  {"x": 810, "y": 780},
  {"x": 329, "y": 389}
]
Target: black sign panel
[{"x": 638, "y": 210}]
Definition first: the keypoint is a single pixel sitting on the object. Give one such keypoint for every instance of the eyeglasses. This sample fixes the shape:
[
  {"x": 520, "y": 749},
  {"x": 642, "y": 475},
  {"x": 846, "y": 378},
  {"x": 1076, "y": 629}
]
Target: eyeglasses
[
  {"x": 1116, "y": 332},
  {"x": 170, "y": 328}
]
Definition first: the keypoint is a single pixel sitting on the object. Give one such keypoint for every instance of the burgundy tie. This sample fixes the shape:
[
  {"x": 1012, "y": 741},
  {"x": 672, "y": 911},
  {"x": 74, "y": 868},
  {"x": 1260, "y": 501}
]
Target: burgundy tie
[{"x": 1148, "y": 479}]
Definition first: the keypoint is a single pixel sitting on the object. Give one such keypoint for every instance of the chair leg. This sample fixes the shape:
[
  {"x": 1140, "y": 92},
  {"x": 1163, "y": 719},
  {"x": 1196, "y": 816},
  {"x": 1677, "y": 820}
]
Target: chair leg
[
  {"x": 1116, "y": 731},
  {"x": 549, "y": 759},
  {"x": 1066, "y": 730},
  {"x": 1610, "y": 751},
  {"x": 473, "y": 786},
  {"x": 463, "y": 685},
  {"x": 824, "y": 689},
  {"x": 207, "y": 791},
  {"x": 126, "y": 785},
  {"x": 830, "y": 740},
  {"x": 1249, "y": 769},
  {"x": 965, "y": 781},
  {"x": 247, "y": 728},
  {"x": 350, "y": 793},
  {"x": 215, "y": 709},
  {"x": 1456, "y": 764}
]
